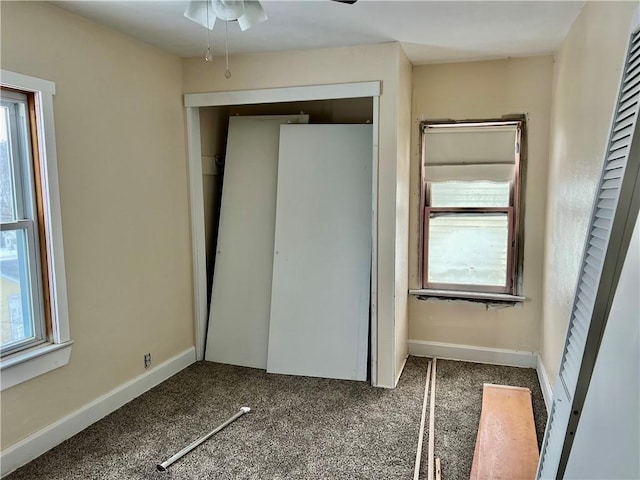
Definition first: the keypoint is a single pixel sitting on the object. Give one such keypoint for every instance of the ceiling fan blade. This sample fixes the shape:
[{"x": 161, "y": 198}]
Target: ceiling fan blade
[
  {"x": 350, "y": 2},
  {"x": 253, "y": 14},
  {"x": 197, "y": 11}
]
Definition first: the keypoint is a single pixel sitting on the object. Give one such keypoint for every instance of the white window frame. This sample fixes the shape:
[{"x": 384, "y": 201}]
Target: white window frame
[{"x": 54, "y": 353}]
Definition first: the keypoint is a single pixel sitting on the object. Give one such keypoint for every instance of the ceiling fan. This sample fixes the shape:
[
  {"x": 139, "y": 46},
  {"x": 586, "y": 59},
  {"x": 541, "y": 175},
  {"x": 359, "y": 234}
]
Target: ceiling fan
[{"x": 246, "y": 12}]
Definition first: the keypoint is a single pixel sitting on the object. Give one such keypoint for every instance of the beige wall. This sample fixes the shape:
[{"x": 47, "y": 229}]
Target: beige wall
[
  {"x": 479, "y": 90},
  {"x": 328, "y": 66},
  {"x": 586, "y": 80},
  {"x": 122, "y": 171},
  {"x": 402, "y": 210}
]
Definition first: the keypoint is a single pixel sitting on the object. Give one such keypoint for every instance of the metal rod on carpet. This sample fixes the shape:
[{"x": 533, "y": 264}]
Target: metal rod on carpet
[
  {"x": 162, "y": 467},
  {"x": 416, "y": 470},
  {"x": 432, "y": 418}
]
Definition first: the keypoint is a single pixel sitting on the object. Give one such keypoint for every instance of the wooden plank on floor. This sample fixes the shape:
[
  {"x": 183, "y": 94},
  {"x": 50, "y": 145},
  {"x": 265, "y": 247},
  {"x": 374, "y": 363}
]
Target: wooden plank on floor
[
  {"x": 416, "y": 470},
  {"x": 432, "y": 420},
  {"x": 506, "y": 444}
]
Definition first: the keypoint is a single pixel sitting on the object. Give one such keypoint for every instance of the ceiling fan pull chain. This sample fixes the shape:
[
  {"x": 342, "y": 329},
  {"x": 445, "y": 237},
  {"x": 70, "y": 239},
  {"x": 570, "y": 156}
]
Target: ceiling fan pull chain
[
  {"x": 209, "y": 56},
  {"x": 227, "y": 72}
]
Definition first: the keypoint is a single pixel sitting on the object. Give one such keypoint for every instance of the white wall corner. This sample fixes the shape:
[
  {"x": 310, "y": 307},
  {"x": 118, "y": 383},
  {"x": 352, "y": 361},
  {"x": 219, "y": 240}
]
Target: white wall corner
[
  {"x": 40, "y": 442},
  {"x": 470, "y": 353},
  {"x": 545, "y": 384}
]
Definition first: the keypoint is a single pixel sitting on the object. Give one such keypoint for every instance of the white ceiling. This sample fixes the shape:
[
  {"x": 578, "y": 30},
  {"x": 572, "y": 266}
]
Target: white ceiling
[{"x": 430, "y": 31}]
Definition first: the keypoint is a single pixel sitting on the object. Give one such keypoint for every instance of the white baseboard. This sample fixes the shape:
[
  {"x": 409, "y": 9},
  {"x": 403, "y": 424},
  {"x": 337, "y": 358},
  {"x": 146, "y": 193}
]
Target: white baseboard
[
  {"x": 545, "y": 384},
  {"x": 469, "y": 353},
  {"x": 38, "y": 443}
]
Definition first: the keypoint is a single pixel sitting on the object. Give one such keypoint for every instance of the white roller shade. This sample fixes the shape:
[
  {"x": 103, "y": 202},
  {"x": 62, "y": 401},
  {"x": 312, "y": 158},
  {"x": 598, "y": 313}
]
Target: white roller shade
[
  {"x": 469, "y": 194},
  {"x": 469, "y": 173},
  {"x": 455, "y": 145}
]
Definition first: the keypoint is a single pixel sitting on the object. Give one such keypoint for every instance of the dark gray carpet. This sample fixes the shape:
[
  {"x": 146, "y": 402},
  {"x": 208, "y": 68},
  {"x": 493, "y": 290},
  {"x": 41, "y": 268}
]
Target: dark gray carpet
[
  {"x": 300, "y": 428},
  {"x": 458, "y": 405}
]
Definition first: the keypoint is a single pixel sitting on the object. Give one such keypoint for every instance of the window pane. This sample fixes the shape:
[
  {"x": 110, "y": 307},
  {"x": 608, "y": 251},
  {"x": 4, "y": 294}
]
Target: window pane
[
  {"x": 469, "y": 194},
  {"x": 16, "y": 318},
  {"x": 7, "y": 187},
  {"x": 468, "y": 249}
]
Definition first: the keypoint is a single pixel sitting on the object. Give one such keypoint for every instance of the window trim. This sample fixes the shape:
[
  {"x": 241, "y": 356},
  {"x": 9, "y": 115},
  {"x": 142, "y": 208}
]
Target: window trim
[
  {"x": 24, "y": 365},
  {"x": 513, "y": 287}
]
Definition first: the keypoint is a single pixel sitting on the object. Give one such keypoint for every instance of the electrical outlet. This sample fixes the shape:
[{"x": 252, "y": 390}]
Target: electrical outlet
[{"x": 147, "y": 360}]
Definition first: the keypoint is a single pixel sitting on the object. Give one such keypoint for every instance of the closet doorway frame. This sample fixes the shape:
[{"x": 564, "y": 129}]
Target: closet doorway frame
[{"x": 192, "y": 103}]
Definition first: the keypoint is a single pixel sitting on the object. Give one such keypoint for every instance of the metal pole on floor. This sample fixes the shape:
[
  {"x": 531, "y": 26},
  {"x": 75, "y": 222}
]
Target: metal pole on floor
[{"x": 162, "y": 467}]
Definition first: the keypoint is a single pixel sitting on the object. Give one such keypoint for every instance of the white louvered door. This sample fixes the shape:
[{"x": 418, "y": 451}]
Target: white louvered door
[{"x": 603, "y": 246}]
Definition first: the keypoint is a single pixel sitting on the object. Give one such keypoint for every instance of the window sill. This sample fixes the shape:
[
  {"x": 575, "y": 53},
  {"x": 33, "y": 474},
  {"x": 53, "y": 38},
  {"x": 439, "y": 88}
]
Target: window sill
[
  {"x": 462, "y": 295},
  {"x": 28, "y": 364}
]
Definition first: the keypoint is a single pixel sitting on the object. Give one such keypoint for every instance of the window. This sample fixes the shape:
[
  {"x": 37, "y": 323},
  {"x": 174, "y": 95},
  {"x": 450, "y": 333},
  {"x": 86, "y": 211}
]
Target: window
[
  {"x": 471, "y": 191},
  {"x": 22, "y": 323},
  {"x": 34, "y": 333}
]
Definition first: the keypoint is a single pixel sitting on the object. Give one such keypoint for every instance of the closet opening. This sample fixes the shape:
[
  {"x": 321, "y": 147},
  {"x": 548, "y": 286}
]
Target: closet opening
[{"x": 208, "y": 121}]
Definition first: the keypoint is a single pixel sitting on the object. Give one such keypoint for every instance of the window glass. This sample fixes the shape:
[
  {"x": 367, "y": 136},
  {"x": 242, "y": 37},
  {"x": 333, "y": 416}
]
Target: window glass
[
  {"x": 7, "y": 188},
  {"x": 16, "y": 321},
  {"x": 469, "y": 194},
  {"x": 467, "y": 248}
]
